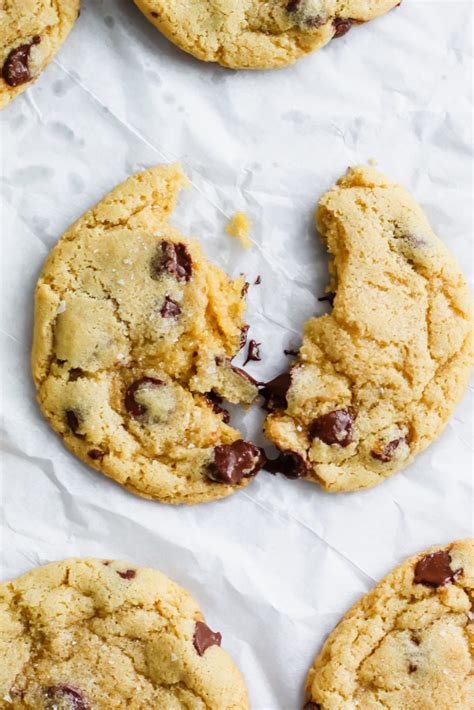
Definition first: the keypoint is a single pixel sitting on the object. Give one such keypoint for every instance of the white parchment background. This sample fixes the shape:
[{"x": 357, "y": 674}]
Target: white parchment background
[{"x": 275, "y": 566}]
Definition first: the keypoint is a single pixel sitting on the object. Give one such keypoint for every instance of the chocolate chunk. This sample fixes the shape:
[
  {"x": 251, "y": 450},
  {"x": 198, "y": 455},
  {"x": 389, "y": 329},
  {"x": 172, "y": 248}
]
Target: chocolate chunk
[
  {"x": 132, "y": 406},
  {"x": 204, "y": 638},
  {"x": 74, "y": 698},
  {"x": 334, "y": 427},
  {"x": 342, "y": 25},
  {"x": 15, "y": 68},
  {"x": 128, "y": 574},
  {"x": 243, "y": 335},
  {"x": 258, "y": 280},
  {"x": 412, "y": 668},
  {"x": 386, "y": 453},
  {"x": 154, "y": 14},
  {"x": 96, "y": 454},
  {"x": 170, "y": 308},
  {"x": 434, "y": 570},
  {"x": 215, "y": 402},
  {"x": 293, "y": 353},
  {"x": 173, "y": 259},
  {"x": 329, "y": 297},
  {"x": 253, "y": 354},
  {"x": 275, "y": 391},
  {"x": 289, "y": 463},
  {"x": 245, "y": 289},
  {"x": 311, "y": 706},
  {"x": 293, "y": 5},
  {"x": 234, "y": 461},
  {"x": 72, "y": 421}
]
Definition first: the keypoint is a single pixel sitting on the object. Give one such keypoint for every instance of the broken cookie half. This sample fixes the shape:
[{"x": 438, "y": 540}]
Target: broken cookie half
[
  {"x": 376, "y": 380},
  {"x": 134, "y": 337}
]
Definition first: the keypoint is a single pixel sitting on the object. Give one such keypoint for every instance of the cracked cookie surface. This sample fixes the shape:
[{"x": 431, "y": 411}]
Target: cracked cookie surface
[
  {"x": 375, "y": 381},
  {"x": 133, "y": 340},
  {"x": 31, "y": 32},
  {"x": 408, "y": 644},
  {"x": 94, "y": 635},
  {"x": 257, "y": 34}
]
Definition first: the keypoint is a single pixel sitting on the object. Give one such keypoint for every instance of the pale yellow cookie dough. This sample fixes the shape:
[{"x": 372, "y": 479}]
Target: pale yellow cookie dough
[
  {"x": 133, "y": 340},
  {"x": 406, "y": 645},
  {"x": 95, "y": 635},
  {"x": 376, "y": 380},
  {"x": 257, "y": 34},
  {"x": 31, "y": 32}
]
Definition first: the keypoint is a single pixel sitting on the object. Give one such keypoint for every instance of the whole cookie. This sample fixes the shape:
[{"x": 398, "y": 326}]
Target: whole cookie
[
  {"x": 31, "y": 32},
  {"x": 94, "y": 635},
  {"x": 406, "y": 645},
  {"x": 251, "y": 34},
  {"x": 133, "y": 340},
  {"x": 376, "y": 380}
]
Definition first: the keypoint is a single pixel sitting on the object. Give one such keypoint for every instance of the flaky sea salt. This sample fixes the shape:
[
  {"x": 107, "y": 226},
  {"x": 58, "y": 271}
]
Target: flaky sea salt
[
  {"x": 174, "y": 657},
  {"x": 470, "y": 616},
  {"x": 299, "y": 428},
  {"x": 61, "y": 308},
  {"x": 8, "y": 698},
  {"x": 191, "y": 446},
  {"x": 120, "y": 282}
]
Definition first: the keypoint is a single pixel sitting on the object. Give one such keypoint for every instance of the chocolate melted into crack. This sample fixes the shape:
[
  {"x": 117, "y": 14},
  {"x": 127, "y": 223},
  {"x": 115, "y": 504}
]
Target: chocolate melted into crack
[
  {"x": 342, "y": 25},
  {"x": 387, "y": 452},
  {"x": 274, "y": 392},
  {"x": 173, "y": 259},
  {"x": 73, "y": 422},
  {"x": 232, "y": 462},
  {"x": 170, "y": 308},
  {"x": 334, "y": 427},
  {"x": 288, "y": 463},
  {"x": 204, "y": 638},
  {"x": 434, "y": 570},
  {"x": 215, "y": 401},
  {"x": 127, "y": 574},
  {"x": 253, "y": 354},
  {"x": 72, "y": 696},
  {"x": 15, "y": 69},
  {"x": 133, "y": 407}
]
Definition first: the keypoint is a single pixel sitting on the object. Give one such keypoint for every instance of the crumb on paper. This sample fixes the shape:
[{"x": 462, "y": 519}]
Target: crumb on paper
[
  {"x": 372, "y": 162},
  {"x": 239, "y": 227}
]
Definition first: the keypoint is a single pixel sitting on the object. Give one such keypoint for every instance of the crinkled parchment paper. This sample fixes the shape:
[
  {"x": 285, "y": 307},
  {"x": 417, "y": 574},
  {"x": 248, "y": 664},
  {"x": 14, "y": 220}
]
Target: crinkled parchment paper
[{"x": 276, "y": 565}]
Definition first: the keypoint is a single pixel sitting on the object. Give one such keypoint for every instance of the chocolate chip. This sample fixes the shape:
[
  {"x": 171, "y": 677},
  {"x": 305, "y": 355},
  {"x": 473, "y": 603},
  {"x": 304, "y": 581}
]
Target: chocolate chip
[
  {"x": 412, "y": 668},
  {"x": 154, "y": 14},
  {"x": 434, "y": 570},
  {"x": 245, "y": 289},
  {"x": 128, "y": 574},
  {"x": 333, "y": 427},
  {"x": 215, "y": 402},
  {"x": 132, "y": 406},
  {"x": 72, "y": 421},
  {"x": 275, "y": 391},
  {"x": 386, "y": 453},
  {"x": 174, "y": 259},
  {"x": 243, "y": 335},
  {"x": 232, "y": 462},
  {"x": 329, "y": 297},
  {"x": 204, "y": 638},
  {"x": 342, "y": 25},
  {"x": 293, "y": 353},
  {"x": 290, "y": 464},
  {"x": 15, "y": 68},
  {"x": 311, "y": 706},
  {"x": 170, "y": 308},
  {"x": 258, "y": 280},
  {"x": 253, "y": 354},
  {"x": 96, "y": 454},
  {"x": 74, "y": 698}
]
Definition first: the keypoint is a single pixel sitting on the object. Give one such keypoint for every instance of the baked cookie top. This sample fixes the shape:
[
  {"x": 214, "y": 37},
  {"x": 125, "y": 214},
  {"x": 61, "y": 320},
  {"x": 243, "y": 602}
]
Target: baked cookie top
[
  {"x": 257, "y": 34},
  {"x": 31, "y": 32},
  {"x": 376, "y": 380},
  {"x": 92, "y": 635},
  {"x": 133, "y": 340},
  {"x": 407, "y": 644}
]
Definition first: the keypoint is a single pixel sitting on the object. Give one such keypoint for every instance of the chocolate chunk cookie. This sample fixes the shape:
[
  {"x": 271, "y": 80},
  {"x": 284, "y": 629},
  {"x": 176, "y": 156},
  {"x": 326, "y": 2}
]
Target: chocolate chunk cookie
[
  {"x": 31, "y": 32},
  {"x": 133, "y": 341},
  {"x": 407, "y": 644},
  {"x": 92, "y": 635},
  {"x": 376, "y": 380},
  {"x": 251, "y": 34}
]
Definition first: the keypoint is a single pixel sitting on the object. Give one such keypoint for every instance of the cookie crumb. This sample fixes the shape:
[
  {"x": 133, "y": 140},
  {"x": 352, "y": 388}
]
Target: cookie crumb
[
  {"x": 239, "y": 227},
  {"x": 372, "y": 162}
]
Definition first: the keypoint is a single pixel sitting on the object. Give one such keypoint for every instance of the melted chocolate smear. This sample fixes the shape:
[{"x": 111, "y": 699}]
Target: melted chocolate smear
[
  {"x": 334, "y": 427},
  {"x": 215, "y": 402},
  {"x": 244, "y": 374},
  {"x": 329, "y": 297},
  {"x": 243, "y": 335},
  {"x": 234, "y": 461},
  {"x": 173, "y": 259},
  {"x": 290, "y": 464},
  {"x": 170, "y": 308},
  {"x": 275, "y": 391},
  {"x": 96, "y": 454},
  {"x": 204, "y": 638},
  {"x": 341, "y": 25},
  {"x": 73, "y": 696},
  {"x": 387, "y": 452},
  {"x": 72, "y": 421},
  {"x": 253, "y": 354},
  {"x": 132, "y": 406},
  {"x": 128, "y": 574},
  {"x": 434, "y": 570},
  {"x": 258, "y": 280},
  {"x": 15, "y": 68}
]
